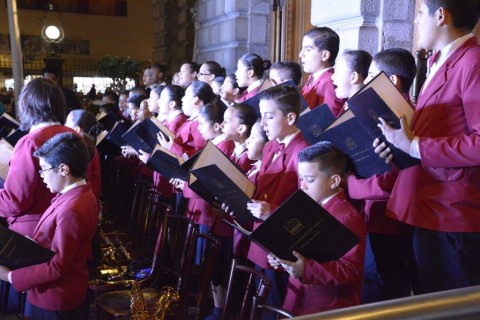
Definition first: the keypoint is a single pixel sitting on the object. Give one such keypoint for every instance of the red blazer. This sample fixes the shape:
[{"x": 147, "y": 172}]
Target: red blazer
[
  {"x": 322, "y": 91},
  {"x": 188, "y": 140},
  {"x": 200, "y": 211},
  {"x": 374, "y": 192},
  {"x": 67, "y": 228},
  {"x": 94, "y": 175},
  {"x": 161, "y": 183},
  {"x": 242, "y": 161},
  {"x": 443, "y": 192},
  {"x": 276, "y": 181},
  {"x": 335, "y": 284},
  {"x": 25, "y": 197},
  {"x": 247, "y": 95}
]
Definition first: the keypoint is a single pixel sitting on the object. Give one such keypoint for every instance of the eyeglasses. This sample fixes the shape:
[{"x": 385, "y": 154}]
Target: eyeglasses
[
  {"x": 204, "y": 74},
  {"x": 42, "y": 171}
]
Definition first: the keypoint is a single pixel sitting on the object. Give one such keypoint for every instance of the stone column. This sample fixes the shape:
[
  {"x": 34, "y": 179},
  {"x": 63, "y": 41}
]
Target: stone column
[
  {"x": 371, "y": 25},
  {"x": 227, "y": 29}
]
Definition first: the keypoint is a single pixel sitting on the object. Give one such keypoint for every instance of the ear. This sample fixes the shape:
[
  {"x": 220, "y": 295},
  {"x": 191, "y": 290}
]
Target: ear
[
  {"x": 355, "y": 78},
  {"x": 64, "y": 170},
  {"x": 195, "y": 74},
  {"x": 335, "y": 181},
  {"x": 242, "y": 129},
  {"x": 212, "y": 77},
  {"x": 77, "y": 129},
  {"x": 217, "y": 127},
  {"x": 236, "y": 91},
  {"x": 325, "y": 55},
  {"x": 196, "y": 100},
  {"x": 291, "y": 117},
  {"x": 396, "y": 80},
  {"x": 172, "y": 104},
  {"x": 441, "y": 16},
  {"x": 250, "y": 73}
]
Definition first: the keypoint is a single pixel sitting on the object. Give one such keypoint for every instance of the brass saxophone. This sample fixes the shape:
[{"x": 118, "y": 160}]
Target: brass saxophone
[
  {"x": 138, "y": 307},
  {"x": 166, "y": 303}
]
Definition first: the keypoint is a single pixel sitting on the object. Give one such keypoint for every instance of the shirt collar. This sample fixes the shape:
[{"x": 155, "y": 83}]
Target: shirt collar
[
  {"x": 447, "y": 51},
  {"x": 73, "y": 185},
  {"x": 239, "y": 148},
  {"x": 325, "y": 201},
  {"x": 218, "y": 139},
  {"x": 317, "y": 74},
  {"x": 288, "y": 138},
  {"x": 255, "y": 84},
  {"x": 43, "y": 125}
]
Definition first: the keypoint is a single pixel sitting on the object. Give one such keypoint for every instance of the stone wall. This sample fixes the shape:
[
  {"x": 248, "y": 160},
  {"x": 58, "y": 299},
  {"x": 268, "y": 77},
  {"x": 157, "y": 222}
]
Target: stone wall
[
  {"x": 371, "y": 25},
  {"x": 227, "y": 29}
]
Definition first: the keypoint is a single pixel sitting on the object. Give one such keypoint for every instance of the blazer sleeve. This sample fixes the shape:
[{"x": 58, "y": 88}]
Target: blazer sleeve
[
  {"x": 66, "y": 243},
  {"x": 22, "y": 180},
  {"x": 377, "y": 187},
  {"x": 460, "y": 150}
]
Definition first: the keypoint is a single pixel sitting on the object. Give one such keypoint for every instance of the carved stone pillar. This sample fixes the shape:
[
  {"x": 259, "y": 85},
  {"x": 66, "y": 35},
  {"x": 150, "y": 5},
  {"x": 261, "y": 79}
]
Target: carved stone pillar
[
  {"x": 227, "y": 29},
  {"x": 371, "y": 25}
]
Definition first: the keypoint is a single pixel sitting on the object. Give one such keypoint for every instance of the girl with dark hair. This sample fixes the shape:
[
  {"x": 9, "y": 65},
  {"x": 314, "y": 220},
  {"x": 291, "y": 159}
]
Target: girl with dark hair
[
  {"x": 188, "y": 140},
  {"x": 170, "y": 114},
  {"x": 210, "y": 119},
  {"x": 209, "y": 70},
  {"x": 230, "y": 91},
  {"x": 250, "y": 70},
  {"x": 84, "y": 122},
  {"x": 188, "y": 73},
  {"x": 25, "y": 197}
]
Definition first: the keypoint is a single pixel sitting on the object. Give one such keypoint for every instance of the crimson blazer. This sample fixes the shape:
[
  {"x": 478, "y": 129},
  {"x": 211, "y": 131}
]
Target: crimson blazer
[
  {"x": 275, "y": 183},
  {"x": 443, "y": 192},
  {"x": 160, "y": 182},
  {"x": 188, "y": 140},
  {"x": 94, "y": 175},
  {"x": 374, "y": 193},
  {"x": 67, "y": 228},
  {"x": 322, "y": 91},
  {"x": 25, "y": 197},
  {"x": 334, "y": 284}
]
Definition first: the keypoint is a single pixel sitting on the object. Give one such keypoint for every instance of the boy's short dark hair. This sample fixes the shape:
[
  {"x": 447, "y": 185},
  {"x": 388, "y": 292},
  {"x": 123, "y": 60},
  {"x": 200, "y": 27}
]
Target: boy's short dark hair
[
  {"x": 112, "y": 95},
  {"x": 399, "y": 62},
  {"x": 287, "y": 98},
  {"x": 289, "y": 70},
  {"x": 137, "y": 99},
  {"x": 358, "y": 61},
  {"x": 325, "y": 39},
  {"x": 41, "y": 100},
  {"x": 66, "y": 148},
  {"x": 464, "y": 13},
  {"x": 330, "y": 160}
]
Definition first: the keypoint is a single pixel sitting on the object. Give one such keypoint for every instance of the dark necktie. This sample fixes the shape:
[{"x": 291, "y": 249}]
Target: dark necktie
[{"x": 433, "y": 58}]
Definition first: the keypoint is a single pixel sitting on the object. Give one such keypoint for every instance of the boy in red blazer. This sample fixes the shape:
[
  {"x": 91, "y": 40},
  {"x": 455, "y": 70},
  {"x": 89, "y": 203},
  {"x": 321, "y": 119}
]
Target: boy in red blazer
[
  {"x": 313, "y": 286},
  {"x": 440, "y": 197},
  {"x": 277, "y": 178},
  {"x": 58, "y": 288},
  {"x": 390, "y": 268},
  {"x": 319, "y": 50}
]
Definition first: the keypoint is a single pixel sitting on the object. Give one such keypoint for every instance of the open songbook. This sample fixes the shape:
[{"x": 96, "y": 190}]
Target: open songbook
[
  {"x": 142, "y": 135},
  {"x": 301, "y": 224},
  {"x": 18, "y": 251},
  {"x": 214, "y": 176},
  {"x": 169, "y": 165},
  {"x": 380, "y": 98}
]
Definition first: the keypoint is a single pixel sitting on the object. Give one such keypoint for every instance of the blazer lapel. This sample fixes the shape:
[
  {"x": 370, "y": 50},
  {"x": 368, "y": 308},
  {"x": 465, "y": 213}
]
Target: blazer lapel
[{"x": 441, "y": 77}]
